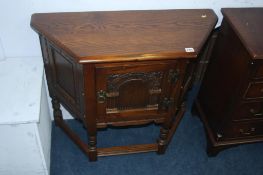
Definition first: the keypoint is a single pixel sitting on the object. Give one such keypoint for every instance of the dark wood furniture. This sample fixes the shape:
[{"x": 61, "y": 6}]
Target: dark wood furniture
[
  {"x": 230, "y": 101},
  {"x": 204, "y": 58},
  {"x": 121, "y": 68}
]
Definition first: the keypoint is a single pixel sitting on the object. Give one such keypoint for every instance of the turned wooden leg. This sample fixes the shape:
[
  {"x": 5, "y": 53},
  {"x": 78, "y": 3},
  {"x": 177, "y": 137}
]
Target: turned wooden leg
[
  {"x": 57, "y": 113},
  {"x": 162, "y": 141},
  {"x": 92, "y": 148}
]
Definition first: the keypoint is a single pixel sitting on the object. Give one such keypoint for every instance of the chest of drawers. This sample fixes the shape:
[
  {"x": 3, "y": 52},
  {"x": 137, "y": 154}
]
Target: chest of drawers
[
  {"x": 231, "y": 96},
  {"x": 121, "y": 69}
]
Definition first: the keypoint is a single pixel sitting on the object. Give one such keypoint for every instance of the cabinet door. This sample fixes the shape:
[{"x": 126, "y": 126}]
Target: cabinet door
[{"x": 137, "y": 91}]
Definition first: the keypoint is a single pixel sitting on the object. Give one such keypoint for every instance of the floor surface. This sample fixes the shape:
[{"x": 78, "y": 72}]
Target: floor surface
[{"x": 186, "y": 153}]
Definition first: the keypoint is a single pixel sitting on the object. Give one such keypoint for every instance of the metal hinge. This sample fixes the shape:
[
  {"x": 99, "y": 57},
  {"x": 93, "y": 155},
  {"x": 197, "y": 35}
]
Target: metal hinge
[
  {"x": 173, "y": 76},
  {"x": 167, "y": 102},
  {"x": 101, "y": 96}
]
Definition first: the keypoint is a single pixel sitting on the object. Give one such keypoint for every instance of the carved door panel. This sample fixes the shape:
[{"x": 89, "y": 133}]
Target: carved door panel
[{"x": 136, "y": 91}]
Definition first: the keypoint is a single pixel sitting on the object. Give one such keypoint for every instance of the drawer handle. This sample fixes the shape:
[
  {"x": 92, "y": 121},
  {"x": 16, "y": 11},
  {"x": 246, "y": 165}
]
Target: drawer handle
[
  {"x": 252, "y": 111},
  {"x": 252, "y": 130}
]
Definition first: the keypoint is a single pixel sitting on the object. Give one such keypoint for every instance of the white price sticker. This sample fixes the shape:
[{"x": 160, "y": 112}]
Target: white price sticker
[{"x": 190, "y": 49}]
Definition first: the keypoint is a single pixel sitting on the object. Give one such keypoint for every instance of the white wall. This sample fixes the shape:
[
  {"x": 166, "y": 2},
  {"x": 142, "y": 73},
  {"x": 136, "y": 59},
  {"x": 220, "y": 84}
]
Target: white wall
[
  {"x": 18, "y": 40},
  {"x": 19, "y": 150},
  {"x": 2, "y": 55},
  {"x": 44, "y": 129}
]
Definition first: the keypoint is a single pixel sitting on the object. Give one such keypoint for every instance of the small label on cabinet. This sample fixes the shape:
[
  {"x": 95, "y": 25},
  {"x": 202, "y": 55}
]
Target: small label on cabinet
[{"x": 190, "y": 49}]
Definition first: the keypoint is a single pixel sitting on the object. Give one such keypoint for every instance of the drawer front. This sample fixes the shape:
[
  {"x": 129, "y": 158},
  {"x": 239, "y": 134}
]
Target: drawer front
[
  {"x": 249, "y": 129},
  {"x": 257, "y": 70},
  {"x": 254, "y": 91},
  {"x": 133, "y": 91},
  {"x": 248, "y": 111}
]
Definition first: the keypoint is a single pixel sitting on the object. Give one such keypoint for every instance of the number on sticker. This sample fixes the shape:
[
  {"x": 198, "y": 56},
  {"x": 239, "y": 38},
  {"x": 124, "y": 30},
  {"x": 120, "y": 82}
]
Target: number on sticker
[{"x": 190, "y": 49}]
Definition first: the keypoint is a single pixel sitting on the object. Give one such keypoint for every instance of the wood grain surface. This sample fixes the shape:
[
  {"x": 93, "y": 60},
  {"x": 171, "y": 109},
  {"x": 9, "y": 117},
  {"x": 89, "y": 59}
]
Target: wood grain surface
[
  {"x": 230, "y": 98},
  {"x": 248, "y": 24},
  {"x": 127, "y": 35}
]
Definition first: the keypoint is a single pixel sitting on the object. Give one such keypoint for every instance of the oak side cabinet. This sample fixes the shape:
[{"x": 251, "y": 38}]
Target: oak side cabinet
[
  {"x": 121, "y": 68},
  {"x": 230, "y": 101}
]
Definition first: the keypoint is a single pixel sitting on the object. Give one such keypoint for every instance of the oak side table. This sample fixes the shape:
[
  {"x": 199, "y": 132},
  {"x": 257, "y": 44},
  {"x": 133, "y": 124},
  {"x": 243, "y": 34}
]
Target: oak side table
[{"x": 121, "y": 68}]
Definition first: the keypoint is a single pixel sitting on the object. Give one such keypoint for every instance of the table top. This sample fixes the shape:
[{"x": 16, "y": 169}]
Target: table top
[
  {"x": 127, "y": 35},
  {"x": 21, "y": 84},
  {"x": 248, "y": 24}
]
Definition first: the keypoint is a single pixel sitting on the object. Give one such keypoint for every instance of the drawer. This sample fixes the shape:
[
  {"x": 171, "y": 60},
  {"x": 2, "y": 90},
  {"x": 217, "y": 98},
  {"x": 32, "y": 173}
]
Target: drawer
[
  {"x": 254, "y": 91},
  {"x": 248, "y": 111},
  {"x": 257, "y": 68},
  {"x": 248, "y": 129}
]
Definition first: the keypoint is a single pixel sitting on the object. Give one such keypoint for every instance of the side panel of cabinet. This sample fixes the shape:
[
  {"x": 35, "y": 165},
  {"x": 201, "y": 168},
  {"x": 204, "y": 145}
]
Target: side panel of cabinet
[
  {"x": 137, "y": 91},
  {"x": 227, "y": 70},
  {"x": 64, "y": 78}
]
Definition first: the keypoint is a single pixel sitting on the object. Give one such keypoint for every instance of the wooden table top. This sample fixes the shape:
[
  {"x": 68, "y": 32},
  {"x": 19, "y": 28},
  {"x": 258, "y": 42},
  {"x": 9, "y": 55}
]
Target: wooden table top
[
  {"x": 127, "y": 35},
  {"x": 248, "y": 24}
]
